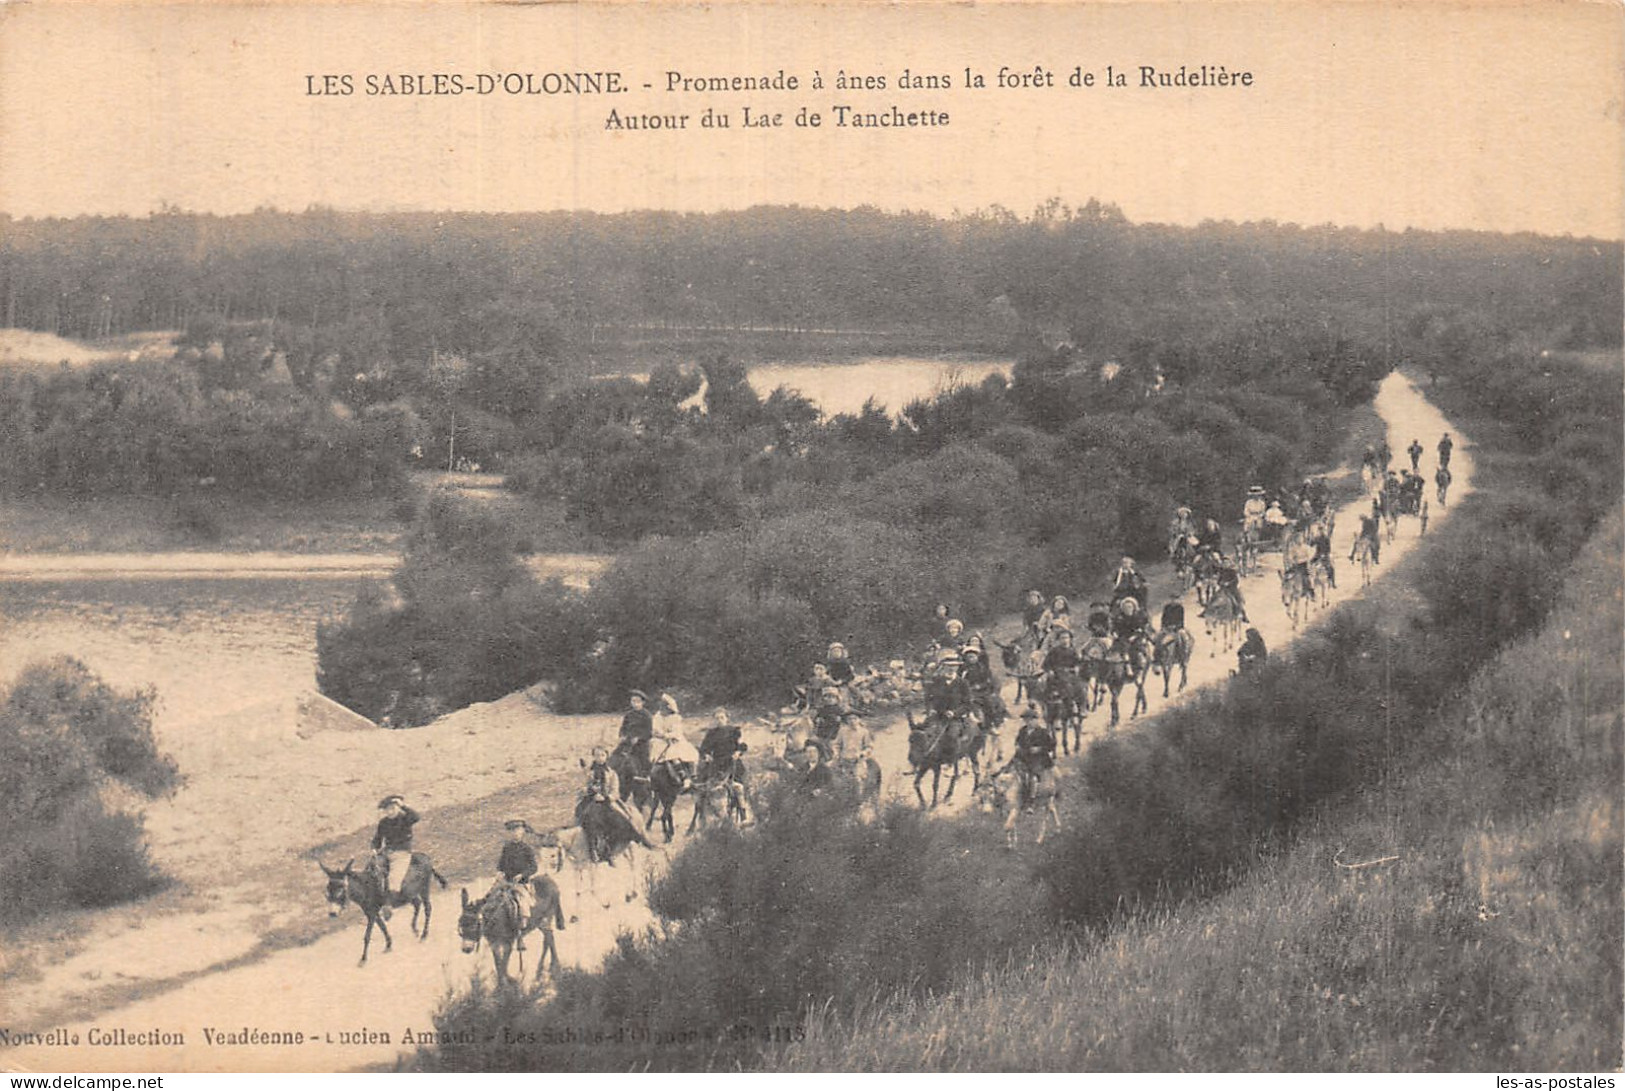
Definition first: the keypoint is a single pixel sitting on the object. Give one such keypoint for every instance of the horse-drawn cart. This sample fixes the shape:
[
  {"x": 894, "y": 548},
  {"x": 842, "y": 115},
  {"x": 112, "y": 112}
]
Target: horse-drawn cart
[{"x": 1260, "y": 537}]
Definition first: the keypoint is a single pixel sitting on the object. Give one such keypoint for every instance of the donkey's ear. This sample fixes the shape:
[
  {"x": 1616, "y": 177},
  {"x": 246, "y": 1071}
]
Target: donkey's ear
[
  {"x": 349, "y": 866},
  {"x": 327, "y": 871},
  {"x": 464, "y": 892}
]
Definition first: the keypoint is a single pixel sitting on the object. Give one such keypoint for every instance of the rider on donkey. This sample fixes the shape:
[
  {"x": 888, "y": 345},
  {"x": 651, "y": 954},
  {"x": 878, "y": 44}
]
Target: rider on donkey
[
  {"x": 1320, "y": 541},
  {"x": 1061, "y": 661},
  {"x": 1229, "y": 577},
  {"x": 603, "y": 786},
  {"x": 1131, "y": 622},
  {"x": 677, "y": 752},
  {"x": 637, "y": 729},
  {"x": 827, "y": 717},
  {"x": 1211, "y": 536},
  {"x": 392, "y": 841},
  {"x": 1035, "y": 751},
  {"x": 1173, "y": 619},
  {"x": 722, "y": 746},
  {"x": 1128, "y": 583},
  {"x": 516, "y": 866},
  {"x": 1297, "y": 556},
  {"x": 1032, "y": 615},
  {"x": 838, "y": 665},
  {"x": 983, "y": 686},
  {"x": 1252, "y": 512},
  {"x": 853, "y": 743},
  {"x": 1180, "y": 528},
  {"x": 1370, "y": 534},
  {"x": 1100, "y": 620},
  {"x": 721, "y": 755}
]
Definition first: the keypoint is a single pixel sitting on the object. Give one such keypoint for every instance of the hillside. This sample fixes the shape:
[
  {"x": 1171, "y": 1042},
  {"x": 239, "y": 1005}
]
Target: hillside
[{"x": 1464, "y": 916}]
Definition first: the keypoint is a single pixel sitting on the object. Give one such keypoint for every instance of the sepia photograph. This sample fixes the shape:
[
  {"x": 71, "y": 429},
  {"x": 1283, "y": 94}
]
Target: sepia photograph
[{"x": 812, "y": 537}]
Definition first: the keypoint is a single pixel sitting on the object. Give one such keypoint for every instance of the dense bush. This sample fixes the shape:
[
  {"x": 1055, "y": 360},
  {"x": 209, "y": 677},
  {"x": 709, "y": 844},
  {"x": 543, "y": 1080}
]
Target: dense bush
[
  {"x": 744, "y": 615},
  {"x": 161, "y": 429},
  {"x": 467, "y": 623},
  {"x": 65, "y": 736}
]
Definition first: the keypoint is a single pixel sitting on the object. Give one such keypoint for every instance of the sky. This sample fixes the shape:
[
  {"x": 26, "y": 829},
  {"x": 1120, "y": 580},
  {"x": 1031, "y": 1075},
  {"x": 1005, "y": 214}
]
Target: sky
[{"x": 1503, "y": 116}]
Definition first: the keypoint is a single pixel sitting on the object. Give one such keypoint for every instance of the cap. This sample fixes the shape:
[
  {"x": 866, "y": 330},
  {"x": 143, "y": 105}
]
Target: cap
[
  {"x": 639, "y": 694},
  {"x": 387, "y": 800},
  {"x": 516, "y": 824},
  {"x": 1032, "y": 713}
]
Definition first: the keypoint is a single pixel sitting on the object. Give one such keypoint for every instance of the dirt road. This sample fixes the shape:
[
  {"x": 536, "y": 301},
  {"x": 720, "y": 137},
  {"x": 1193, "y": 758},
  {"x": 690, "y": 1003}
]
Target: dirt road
[{"x": 213, "y": 980}]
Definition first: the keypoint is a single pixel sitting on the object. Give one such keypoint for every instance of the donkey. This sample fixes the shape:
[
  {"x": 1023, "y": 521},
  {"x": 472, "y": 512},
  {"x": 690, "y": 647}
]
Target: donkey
[
  {"x": 366, "y": 889},
  {"x": 495, "y": 919}
]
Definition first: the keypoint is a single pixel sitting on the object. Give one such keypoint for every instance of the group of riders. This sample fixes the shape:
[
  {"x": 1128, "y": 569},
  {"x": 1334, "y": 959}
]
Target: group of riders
[{"x": 958, "y": 680}]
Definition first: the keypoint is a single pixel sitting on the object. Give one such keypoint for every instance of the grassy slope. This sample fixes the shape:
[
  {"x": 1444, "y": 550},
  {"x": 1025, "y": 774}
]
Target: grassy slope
[{"x": 1490, "y": 940}]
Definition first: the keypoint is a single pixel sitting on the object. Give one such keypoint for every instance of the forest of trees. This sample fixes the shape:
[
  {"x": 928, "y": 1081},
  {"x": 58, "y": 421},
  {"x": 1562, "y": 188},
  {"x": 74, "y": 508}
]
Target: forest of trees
[
  {"x": 401, "y": 287},
  {"x": 339, "y": 344}
]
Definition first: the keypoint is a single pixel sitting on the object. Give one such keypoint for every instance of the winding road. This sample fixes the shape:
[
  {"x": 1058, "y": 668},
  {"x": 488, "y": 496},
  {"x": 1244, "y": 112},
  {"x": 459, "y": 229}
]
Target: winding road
[{"x": 351, "y": 1018}]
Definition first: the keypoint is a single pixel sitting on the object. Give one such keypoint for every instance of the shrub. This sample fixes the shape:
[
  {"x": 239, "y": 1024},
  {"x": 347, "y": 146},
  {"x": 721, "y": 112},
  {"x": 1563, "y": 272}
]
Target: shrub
[
  {"x": 470, "y": 624},
  {"x": 64, "y": 735}
]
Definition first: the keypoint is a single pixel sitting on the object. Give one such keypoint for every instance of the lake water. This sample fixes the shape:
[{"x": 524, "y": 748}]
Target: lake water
[
  {"x": 209, "y": 645},
  {"x": 216, "y": 633},
  {"x": 892, "y": 381}
]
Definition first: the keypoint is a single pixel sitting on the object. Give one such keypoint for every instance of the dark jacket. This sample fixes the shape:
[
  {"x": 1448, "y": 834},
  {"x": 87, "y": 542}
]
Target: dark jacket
[
  {"x": 1035, "y": 746},
  {"x": 1061, "y": 658},
  {"x": 394, "y": 833},
  {"x": 840, "y": 671},
  {"x": 979, "y": 677},
  {"x": 1173, "y": 616},
  {"x": 637, "y": 725},
  {"x": 517, "y": 862},
  {"x": 818, "y": 778},
  {"x": 721, "y": 745},
  {"x": 1129, "y": 583},
  {"x": 1100, "y": 622},
  {"x": 598, "y": 777},
  {"x": 1127, "y": 625},
  {"x": 1252, "y": 652}
]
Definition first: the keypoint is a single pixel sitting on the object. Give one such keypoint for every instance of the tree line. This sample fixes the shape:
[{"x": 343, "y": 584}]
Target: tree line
[{"x": 422, "y": 283}]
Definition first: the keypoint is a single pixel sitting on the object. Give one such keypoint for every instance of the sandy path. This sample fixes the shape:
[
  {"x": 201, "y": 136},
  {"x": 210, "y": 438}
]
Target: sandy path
[
  {"x": 315, "y": 989},
  {"x": 574, "y": 569}
]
